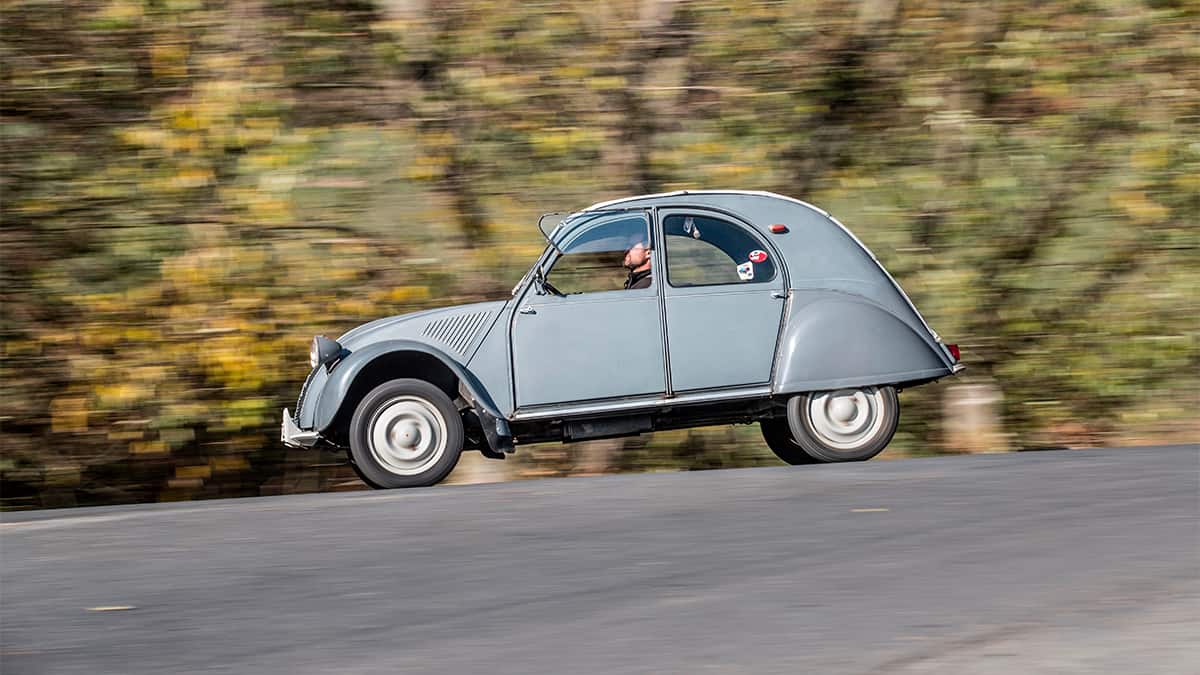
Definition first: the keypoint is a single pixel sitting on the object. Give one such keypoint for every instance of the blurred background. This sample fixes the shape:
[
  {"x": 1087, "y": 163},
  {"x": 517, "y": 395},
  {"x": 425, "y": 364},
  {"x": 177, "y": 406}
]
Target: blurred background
[{"x": 191, "y": 189}]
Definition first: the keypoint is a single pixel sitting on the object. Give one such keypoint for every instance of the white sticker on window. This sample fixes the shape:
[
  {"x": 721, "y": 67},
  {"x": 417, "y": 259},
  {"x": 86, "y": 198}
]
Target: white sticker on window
[{"x": 746, "y": 271}]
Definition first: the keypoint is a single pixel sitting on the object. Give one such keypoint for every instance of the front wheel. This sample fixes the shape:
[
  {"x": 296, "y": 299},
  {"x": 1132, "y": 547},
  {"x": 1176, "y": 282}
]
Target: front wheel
[{"x": 405, "y": 433}]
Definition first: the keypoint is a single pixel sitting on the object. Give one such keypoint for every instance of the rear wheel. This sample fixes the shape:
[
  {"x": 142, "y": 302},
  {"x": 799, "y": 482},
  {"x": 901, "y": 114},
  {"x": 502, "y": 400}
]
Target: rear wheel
[
  {"x": 778, "y": 435},
  {"x": 847, "y": 425},
  {"x": 405, "y": 433}
]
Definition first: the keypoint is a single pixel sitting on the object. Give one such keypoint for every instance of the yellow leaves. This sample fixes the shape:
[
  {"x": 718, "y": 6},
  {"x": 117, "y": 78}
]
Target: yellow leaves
[
  {"x": 125, "y": 436},
  {"x": 121, "y": 13},
  {"x": 730, "y": 172},
  {"x": 198, "y": 471},
  {"x": 426, "y": 167},
  {"x": 141, "y": 334},
  {"x": 122, "y": 394},
  {"x": 223, "y": 464},
  {"x": 1138, "y": 206},
  {"x": 408, "y": 294},
  {"x": 562, "y": 140},
  {"x": 184, "y": 118},
  {"x": 271, "y": 211},
  {"x": 69, "y": 414},
  {"x": 352, "y": 306},
  {"x": 144, "y": 136},
  {"x": 183, "y": 143},
  {"x": 1150, "y": 158},
  {"x": 249, "y": 135},
  {"x": 605, "y": 82},
  {"x": 230, "y": 361},
  {"x": 245, "y": 413},
  {"x": 192, "y": 177},
  {"x": 572, "y": 72},
  {"x": 169, "y": 60},
  {"x": 15, "y": 346}
]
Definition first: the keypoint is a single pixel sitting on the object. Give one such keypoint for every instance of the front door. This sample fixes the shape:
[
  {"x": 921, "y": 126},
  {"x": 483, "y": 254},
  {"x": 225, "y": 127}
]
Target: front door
[
  {"x": 724, "y": 301},
  {"x": 582, "y": 335}
]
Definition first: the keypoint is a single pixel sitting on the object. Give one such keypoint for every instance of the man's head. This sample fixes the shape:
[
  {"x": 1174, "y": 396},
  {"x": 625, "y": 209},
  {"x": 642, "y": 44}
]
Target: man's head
[{"x": 637, "y": 258}]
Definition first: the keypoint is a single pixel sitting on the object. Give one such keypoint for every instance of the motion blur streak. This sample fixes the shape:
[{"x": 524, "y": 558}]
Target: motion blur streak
[{"x": 191, "y": 190}]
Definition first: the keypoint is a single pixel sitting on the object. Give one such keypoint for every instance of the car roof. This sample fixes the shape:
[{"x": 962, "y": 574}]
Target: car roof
[{"x": 666, "y": 196}]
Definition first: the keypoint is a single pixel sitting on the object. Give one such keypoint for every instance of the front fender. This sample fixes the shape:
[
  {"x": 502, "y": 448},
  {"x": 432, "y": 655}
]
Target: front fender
[
  {"x": 337, "y": 385},
  {"x": 831, "y": 343}
]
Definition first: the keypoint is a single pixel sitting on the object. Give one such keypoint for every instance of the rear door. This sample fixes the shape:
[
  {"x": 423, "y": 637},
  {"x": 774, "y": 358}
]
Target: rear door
[{"x": 724, "y": 300}]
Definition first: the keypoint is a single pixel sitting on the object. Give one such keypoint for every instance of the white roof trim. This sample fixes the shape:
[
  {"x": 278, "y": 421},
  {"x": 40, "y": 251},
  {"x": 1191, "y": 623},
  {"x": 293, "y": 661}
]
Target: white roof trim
[{"x": 677, "y": 193}]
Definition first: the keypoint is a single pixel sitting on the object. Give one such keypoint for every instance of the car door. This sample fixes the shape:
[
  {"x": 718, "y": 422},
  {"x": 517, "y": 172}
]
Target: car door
[
  {"x": 597, "y": 340},
  {"x": 724, "y": 300}
]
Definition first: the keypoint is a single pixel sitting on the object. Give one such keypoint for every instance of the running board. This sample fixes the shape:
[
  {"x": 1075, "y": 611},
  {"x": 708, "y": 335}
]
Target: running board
[{"x": 610, "y": 407}]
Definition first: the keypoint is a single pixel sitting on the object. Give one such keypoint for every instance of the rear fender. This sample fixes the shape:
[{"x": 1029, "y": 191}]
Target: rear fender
[{"x": 832, "y": 343}]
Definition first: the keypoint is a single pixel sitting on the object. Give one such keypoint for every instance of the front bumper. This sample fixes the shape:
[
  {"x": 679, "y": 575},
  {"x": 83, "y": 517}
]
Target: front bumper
[{"x": 295, "y": 437}]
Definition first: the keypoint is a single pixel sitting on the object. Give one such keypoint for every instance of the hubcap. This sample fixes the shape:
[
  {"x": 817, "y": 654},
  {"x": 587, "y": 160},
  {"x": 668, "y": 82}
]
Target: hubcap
[
  {"x": 846, "y": 419},
  {"x": 407, "y": 435}
]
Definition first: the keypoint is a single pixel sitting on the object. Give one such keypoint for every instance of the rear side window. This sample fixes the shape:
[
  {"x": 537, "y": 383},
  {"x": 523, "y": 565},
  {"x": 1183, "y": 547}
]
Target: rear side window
[{"x": 707, "y": 251}]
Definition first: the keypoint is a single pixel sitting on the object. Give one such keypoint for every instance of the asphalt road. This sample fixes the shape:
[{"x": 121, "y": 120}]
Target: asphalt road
[{"x": 1055, "y": 562}]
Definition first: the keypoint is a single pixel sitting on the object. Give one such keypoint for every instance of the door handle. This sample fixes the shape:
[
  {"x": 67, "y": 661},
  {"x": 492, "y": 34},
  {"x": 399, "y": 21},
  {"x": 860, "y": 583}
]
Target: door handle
[
  {"x": 527, "y": 310},
  {"x": 779, "y": 294}
]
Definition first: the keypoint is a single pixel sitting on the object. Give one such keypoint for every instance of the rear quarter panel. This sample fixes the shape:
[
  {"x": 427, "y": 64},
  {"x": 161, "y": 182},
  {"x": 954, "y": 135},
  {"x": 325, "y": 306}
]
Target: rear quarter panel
[{"x": 835, "y": 339}]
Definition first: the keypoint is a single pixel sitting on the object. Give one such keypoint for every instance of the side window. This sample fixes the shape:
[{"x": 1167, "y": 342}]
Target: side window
[
  {"x": 706, "y": 251},
  {"x": 594, "y": 255}
]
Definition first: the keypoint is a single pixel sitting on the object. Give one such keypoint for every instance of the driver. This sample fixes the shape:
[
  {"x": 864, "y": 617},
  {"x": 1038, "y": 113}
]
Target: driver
[{"x": 637, "y": 261}]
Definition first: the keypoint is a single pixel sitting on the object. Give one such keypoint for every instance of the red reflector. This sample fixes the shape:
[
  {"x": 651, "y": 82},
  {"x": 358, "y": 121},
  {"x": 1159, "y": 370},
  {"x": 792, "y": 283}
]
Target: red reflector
[
  {"x": 954, "y": 352},
  {"x": 778, "y": 229}
]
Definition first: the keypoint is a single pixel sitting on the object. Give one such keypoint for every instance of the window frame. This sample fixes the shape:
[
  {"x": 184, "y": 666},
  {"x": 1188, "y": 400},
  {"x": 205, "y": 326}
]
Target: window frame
[
  {"x": 603, "y": 218},
  {"x": 715, "y": 214}
]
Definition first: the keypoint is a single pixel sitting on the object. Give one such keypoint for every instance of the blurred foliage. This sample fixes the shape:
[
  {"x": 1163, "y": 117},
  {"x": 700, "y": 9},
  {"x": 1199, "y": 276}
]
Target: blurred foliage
[{"x": 192, "y": 189}]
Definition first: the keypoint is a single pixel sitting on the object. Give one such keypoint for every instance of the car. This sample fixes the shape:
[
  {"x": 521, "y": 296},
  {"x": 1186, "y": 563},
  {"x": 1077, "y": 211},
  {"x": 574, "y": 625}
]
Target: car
[{"x": 741, "y": 307}]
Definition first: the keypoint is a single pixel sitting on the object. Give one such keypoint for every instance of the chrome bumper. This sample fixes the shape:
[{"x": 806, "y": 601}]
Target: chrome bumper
[
  {"x": 958, "y": 368},
  {"x": 294, "y": 436}
]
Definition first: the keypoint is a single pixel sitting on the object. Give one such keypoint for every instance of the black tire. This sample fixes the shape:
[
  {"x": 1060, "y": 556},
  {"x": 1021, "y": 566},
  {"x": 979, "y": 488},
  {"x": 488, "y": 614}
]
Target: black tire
[
  {"x": 875, "y": 436},
  {"x": 778, "y": 435},
  {"x": 411, "y": 412}
]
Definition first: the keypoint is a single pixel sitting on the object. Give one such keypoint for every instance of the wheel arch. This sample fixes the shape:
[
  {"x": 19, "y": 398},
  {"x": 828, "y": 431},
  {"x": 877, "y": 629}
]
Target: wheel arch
[
  {"x": 364, "y": 369},
  {"x": 837, "y": 342}
]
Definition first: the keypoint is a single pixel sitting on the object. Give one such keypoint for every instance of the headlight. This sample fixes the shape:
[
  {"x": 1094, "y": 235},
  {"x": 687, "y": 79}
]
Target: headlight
[{"x": 323, "y": 350}]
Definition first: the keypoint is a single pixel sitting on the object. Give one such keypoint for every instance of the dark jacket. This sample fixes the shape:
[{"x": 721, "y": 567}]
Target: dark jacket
[{"x": 638, "y": 279}]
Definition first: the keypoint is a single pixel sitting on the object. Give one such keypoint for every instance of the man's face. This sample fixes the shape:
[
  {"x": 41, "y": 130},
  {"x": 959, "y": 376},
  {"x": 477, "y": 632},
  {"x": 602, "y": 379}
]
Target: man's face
[{"x": 637, "y": 256}]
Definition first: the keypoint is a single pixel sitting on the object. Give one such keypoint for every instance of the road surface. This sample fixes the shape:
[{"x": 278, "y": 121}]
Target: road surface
[{"x": 1053, "y": 562}]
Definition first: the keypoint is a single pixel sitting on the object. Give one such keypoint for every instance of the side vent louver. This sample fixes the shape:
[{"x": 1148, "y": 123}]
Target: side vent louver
[{"x": 458, "y": 331}]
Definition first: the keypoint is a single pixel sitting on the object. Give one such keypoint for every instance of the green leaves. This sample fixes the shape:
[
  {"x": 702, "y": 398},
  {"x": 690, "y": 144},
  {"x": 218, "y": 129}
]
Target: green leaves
[{"x": 193, "y": 189}]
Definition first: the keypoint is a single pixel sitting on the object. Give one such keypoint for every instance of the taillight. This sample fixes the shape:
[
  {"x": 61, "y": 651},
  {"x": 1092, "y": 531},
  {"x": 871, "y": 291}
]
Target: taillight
[{"x": 954, "y": 352}]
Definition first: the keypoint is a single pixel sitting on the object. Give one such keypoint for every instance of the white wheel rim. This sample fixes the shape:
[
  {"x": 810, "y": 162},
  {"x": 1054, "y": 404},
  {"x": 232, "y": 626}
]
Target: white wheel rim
[
  {"x": 407, "y": 435},
  {"x": 846, "y": 419}
]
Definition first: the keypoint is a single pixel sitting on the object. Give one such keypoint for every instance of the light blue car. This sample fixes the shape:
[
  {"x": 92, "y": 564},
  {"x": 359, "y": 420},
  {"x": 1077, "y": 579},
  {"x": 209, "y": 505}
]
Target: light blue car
[{"x": 654, "y": 312}]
